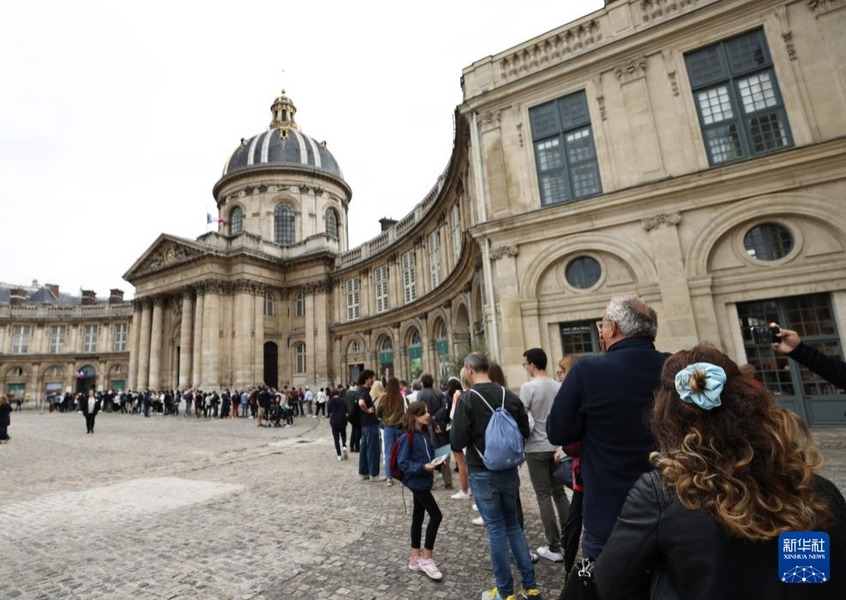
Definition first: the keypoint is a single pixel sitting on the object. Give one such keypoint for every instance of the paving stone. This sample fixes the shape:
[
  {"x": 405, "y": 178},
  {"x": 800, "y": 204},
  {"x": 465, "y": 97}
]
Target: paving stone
[{"x": 175, "y": 507}]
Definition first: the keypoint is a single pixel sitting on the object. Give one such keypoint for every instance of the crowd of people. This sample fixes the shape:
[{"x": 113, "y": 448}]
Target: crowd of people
[{"x": 684, "y": 471}]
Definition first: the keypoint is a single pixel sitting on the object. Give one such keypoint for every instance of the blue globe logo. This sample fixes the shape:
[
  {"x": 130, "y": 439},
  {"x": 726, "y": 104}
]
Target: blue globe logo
[{"x": 804, "y": 575}]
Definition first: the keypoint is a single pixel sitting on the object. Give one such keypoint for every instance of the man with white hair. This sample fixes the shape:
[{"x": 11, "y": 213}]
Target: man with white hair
[{"x": 604, "y": 402}]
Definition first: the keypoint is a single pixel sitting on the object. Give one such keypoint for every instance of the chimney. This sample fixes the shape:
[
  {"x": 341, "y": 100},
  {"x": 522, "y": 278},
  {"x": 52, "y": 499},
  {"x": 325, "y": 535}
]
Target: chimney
[
  {"x": 89, "y": 297},
  {"x": 115, "y": 296},
  {"x": 386, "y": 223},
  {"x": 54, "y": 289},
  {"x": 17, "y": 297}
]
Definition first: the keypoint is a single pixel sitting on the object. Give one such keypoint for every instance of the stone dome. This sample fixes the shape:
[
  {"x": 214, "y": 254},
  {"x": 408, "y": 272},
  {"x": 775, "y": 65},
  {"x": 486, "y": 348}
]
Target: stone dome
[{"x": 283, "y": 144}]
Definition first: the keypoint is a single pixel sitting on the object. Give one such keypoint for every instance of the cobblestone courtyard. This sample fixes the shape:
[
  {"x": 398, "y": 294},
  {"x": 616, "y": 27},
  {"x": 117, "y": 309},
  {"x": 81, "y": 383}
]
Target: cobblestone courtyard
[{"x": 175, "y": 507}]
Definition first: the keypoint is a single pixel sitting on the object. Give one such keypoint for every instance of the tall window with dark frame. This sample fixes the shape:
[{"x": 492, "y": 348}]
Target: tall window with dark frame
[
  {"x": 236, "y": 221},
  {"x": 299, "y": 305},
  {"x": 380, "y": 281},
  {"x": 740, "y": 109},
  {"x": 565, "y": 155},
  {"x": 331, "y": 219},
  {"x": 284, "y": 231}
]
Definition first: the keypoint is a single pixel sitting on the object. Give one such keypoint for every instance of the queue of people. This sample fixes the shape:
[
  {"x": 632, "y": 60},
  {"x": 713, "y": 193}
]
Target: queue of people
[{"x": 684, "y": 471}]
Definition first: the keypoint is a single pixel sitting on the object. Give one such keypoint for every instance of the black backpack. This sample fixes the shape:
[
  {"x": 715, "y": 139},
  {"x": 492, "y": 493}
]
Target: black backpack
[{"x": 353, "y": 409}]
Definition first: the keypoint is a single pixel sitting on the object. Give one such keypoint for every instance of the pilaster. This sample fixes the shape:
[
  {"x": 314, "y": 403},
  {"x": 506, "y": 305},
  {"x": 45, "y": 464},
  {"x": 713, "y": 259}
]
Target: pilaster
[{"x": 186, "y": 330}]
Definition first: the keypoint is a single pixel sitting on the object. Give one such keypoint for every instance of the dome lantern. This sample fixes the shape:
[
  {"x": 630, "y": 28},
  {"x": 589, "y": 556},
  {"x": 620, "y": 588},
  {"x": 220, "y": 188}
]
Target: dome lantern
[{"x": 283, "y": 111}]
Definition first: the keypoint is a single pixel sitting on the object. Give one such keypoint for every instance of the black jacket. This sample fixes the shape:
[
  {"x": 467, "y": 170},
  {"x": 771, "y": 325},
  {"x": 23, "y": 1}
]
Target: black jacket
[
  {"x": 692, "y": 557},
  {"x": 830, "y": 368}
]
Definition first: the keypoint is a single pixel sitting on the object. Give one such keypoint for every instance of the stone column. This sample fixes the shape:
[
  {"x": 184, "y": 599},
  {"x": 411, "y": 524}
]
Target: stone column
[
  {"x": 132, "y": 376},
  {"x": 197, "y": 346},
  {"x": 156, "y": 344},
  {"x": 242, "y": 342},
  {"x": 677, "y": 321},
  {"x": 257, "y": 337},
  {"x": 211, "y": 338},
  {"x": 512, "y": 342},
  {"x": 186, "y": 331},
  {"x": 322, "y": 350},
  {"x": 144, "y": 345}
]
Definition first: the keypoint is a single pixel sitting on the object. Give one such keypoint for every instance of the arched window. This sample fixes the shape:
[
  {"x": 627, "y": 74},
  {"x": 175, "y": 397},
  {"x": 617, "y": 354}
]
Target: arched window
[
  {"x": 415, "y": 354},
  {"x": 331, "y": 219},
  {"x": 236, "y": 221},
  {"x": 300, "y": 353},
  {"x": 283, "y": 224},
  {"x": 583, "y": 272}
]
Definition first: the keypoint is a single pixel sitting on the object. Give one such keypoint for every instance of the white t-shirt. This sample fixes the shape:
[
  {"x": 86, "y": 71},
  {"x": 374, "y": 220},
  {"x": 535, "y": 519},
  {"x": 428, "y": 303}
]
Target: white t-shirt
[{"x": 537, "y": 395}]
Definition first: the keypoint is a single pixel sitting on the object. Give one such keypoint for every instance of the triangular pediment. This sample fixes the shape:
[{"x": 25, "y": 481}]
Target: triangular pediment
[{"x": 167, "y": 252}]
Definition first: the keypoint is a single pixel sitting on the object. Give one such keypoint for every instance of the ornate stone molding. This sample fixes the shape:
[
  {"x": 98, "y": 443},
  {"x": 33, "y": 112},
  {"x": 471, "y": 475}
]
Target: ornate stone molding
[
  {"x": 316, "y": 287},
  {"x": 656, "y": 10},
  {"x": 788, "y": 44},
  {"x": 650, "y": 223},
  {"x": 551, "y": 50},
  {"x": 600, "y": 101},
  {"x": 674, "y": 84},
  {"x": 631, "y": 70},
  {"x": 498, "y": 253},
  {"x": 824, "y": 6}
]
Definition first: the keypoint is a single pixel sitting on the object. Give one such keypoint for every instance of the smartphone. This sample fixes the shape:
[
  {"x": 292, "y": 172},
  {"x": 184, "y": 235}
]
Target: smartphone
[{"x": 764, "y": 334}]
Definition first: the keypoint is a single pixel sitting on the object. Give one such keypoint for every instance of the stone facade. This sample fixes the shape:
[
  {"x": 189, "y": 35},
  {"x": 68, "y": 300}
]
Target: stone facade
[
  {"x": 51, "y": 342},
  {"x": 690, "y": 152}
]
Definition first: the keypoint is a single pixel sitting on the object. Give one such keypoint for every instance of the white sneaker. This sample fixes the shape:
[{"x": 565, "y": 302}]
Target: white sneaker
[
  {"x": 346, "y": 456},
  {"x": 478, "y": 521},
  {"x": 548, "y": 554},
  {"x": 339, "y": 457},
  {"x": 428, "y": 566},
  {"x": 476, "y": 508},
  {"x": 461, "y": 495}
]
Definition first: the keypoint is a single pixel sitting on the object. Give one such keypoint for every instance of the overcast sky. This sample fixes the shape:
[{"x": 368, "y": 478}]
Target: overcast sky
[{"x": 116, "y": 118}]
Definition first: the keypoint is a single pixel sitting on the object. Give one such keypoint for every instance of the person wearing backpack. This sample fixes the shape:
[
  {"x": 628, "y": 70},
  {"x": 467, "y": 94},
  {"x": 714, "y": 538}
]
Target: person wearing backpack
[
  {"x": 414, "y": 457},
  {"x": 492, "y": 467},
  {"x": 439, "y": 418}
]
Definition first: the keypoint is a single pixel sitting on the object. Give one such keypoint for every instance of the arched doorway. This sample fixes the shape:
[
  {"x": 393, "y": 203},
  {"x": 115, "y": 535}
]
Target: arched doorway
[
  {"x": 86, "y": 379},
  {"x": 271, "y": 364}
]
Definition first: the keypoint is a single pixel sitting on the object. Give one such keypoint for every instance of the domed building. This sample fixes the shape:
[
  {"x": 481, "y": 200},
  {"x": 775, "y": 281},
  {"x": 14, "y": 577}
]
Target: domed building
[
  {"x": 275, "y": 296},
  {"x": 688, "y": 152}
]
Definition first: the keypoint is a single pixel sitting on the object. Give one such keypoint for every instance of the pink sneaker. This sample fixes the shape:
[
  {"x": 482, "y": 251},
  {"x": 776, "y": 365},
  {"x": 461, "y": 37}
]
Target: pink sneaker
[
  {"x": 428, "y": 566},
  {"x": 414, "y": 564}
]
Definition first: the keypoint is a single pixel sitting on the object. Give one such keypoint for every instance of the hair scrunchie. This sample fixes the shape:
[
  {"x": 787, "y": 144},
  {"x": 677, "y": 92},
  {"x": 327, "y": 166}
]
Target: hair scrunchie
[{"x": 707, "y": 398}]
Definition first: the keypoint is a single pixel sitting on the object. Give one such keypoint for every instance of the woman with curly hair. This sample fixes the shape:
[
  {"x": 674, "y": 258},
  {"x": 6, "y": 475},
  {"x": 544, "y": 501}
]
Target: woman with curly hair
[{"x": 733, "y": 471}]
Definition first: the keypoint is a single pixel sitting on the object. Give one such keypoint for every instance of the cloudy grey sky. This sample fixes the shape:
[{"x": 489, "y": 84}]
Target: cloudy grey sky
[{"x": 116, "y": 118}]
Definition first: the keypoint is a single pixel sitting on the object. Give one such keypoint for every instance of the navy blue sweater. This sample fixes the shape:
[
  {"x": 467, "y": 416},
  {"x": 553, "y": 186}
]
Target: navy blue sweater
[{"x": 412, "y": 460}]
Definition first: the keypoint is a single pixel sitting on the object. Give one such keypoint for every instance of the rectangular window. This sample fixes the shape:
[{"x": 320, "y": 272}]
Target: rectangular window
[
  {"x": 269, "y": 305},
  {"x": 353, "y": 311},
  {"x": 89, "y": 338},
  {"x": 565, "y": 155},
  {"x": 119, "y": 343},
  {"x": 301, "y": 358},
  {"x": 435, "y": 258},
  {"x": 20, "y": 339},
  {"x": 380, "y": 279},
  {"x": 299, "y": 309},
  {"x": 737, "y": 98},
  {"x": 455, "y": 225},
  {"x": 580, "y": 337},
  {"x": 409, "y": 277},
  {"x": 57, "y": 339}
]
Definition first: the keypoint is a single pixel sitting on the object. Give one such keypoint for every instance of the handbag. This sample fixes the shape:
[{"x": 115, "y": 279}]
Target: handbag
[
  {"x": 581, "y": 582},
  {"x": 564, "y": 471}
]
